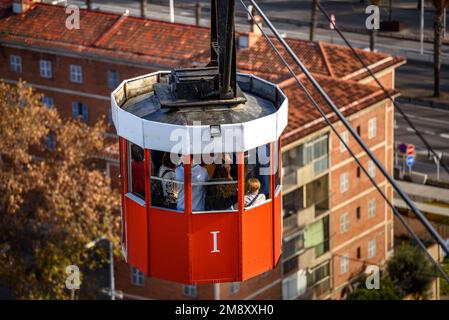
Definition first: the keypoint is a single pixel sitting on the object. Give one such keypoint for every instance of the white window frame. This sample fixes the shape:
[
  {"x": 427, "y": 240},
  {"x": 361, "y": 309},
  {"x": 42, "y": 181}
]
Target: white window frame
[
  {"x": 45, "y": 67},
  {"x": 344, "y": 264},
  {"x": 48, "y": 101},
  {"x": 372, "y": 128},
  {"x": 15, "y": 63},
  {"x": 372, "y": 248},
  {"x": 190, "y": 290},
  {"x": 84, "y": 115},
  {"x": 344, "y": 182},
  {"x": 371, "y": 169},
  {"x": 76, "y": 73},
  {"x": 345, "y": 137},
  {"x": 372, "y": 208},
  {"x": 243, "y": 41},
  {"x": 344, "y": 222},
  {"x": 50, "y": 141},
  {"x": 234, "y": 287},
  {"x": 137, "y": 277},
  {"x": 113, "y": 82}
]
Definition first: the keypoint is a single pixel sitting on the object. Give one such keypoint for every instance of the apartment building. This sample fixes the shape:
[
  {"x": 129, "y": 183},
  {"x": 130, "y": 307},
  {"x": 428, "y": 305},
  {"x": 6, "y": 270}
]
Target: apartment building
[{"x": 335, "y": 223}]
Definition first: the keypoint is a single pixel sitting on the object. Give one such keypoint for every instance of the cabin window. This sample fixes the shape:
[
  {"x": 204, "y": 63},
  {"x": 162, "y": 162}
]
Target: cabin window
[
  {"x": 167, "y": 188},
  {"x": 277, "y": 170},
  {"x": 214, "y": 182},
  {"x": 136, "y": 170},
  {"x": 257, "y": 176}
]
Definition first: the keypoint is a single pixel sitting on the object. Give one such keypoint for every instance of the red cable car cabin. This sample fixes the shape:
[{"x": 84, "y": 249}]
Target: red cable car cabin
[{"x": 200, "y": 168}]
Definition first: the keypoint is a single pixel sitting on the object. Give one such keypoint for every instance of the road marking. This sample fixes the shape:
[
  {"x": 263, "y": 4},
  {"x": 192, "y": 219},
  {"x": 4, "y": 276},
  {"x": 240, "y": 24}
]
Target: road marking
[
  {"x": 426, "y": 119},
  {"x": 429, "y": 132},
  {"x": 444, "y": 135},
  {"x": 410, "y": 129}
]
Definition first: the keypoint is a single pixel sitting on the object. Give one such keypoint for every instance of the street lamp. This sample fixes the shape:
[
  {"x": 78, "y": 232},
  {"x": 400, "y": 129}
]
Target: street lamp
[
  {"x": 172, "y": 12},
  {"x": 111, "y": 292}
]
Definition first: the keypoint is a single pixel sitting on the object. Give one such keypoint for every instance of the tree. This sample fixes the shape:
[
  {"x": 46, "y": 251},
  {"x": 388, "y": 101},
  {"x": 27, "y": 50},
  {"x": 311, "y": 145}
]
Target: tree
[
  {"x": 313, "y": 19},
  {"x": 143, "y": 8},
  {"x": 54, "y": 197},
  {"x": 439, "y": 5},
  {"x": 444, "y": 286},
  {"x": 390, "y": 9},
  {"x": 410, "y": 271},
  {"x": 386, "y": 291}
]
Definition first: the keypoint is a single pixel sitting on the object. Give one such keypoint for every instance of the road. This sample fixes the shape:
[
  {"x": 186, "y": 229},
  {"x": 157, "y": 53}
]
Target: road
[
  {"x": 413, "y": 78},
  {"x": 291, "y": 18},
  {"x": 434, "y": 125}
]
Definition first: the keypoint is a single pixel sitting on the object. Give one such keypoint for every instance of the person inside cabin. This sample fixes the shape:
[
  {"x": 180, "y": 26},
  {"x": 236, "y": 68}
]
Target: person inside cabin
[
  {"x": 257, "y": 166},
  {"x": 198, "y": 175},
  {"x": 221, "y": 196},
  {"x": 137, "y": 170},
  {"x": 211, "y": 164},
  {"x": 253, "y": 195},
  {"x": 169, "y": 189}
]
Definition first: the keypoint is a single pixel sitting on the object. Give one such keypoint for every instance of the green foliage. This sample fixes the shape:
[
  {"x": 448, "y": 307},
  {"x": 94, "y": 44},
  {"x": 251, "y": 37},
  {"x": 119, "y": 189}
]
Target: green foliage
[
  {"x": 410, "y": 271},
  {"x": 444, "y": 286},
  {"x": 386, "y": 291}
]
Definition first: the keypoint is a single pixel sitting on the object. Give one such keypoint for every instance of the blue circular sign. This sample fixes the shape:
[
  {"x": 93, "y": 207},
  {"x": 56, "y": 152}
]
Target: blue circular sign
[{"x": 410, "y": 160}]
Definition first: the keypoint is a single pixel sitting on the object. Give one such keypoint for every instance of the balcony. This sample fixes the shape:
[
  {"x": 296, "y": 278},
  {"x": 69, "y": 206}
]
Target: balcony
[
  {"x": 318, "y": 282},
  {"x": 290, "y": 222},
  {"x": 294, "y": 176},
  {"x": 317, "y": 291},
  {"x": 306, "y": 216},
  {"x": 321, "y": 207},
  {"x": 289, "y": 178}
]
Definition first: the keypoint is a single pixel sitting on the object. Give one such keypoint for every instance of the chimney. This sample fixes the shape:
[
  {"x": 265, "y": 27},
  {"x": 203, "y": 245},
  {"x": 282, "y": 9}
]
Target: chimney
[
  {"x": 257, "y": 21},
  {"x": 249, "y": 39},
  {"x": 20, "y": 6}
]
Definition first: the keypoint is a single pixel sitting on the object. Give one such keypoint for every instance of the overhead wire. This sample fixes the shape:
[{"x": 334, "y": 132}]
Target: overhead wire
[
  {"x": 322, "y": 113},
  {"x": 385, "y": 91},
  {"x": 351, "y": 130}
]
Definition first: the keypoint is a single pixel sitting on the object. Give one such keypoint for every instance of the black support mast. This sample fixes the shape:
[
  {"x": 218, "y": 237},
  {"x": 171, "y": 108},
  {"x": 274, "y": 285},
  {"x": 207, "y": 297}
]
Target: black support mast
[{"x": 216, "y": 83}]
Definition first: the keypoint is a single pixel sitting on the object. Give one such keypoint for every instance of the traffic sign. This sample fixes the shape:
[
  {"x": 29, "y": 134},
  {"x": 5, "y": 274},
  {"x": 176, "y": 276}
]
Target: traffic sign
[
  {"x": 410, "y": 149},
  {"x": 410, "y": 160},
  {"x": 403, "y": 148}
]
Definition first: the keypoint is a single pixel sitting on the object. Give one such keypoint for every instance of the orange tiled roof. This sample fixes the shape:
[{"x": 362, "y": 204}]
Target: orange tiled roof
[
  {"x": 166, "y": 44},
  {"x": 349, "y": 96}
]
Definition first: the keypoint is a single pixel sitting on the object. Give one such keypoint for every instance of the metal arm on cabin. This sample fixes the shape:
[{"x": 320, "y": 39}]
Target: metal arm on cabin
[{"x": 216, "y": 83}]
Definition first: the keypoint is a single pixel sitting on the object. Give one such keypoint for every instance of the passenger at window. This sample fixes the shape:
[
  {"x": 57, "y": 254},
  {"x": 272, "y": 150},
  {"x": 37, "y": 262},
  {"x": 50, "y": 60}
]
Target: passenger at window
[
  {"x": 167, "y": 173},
  {"x": 199, "y": 174},
  {"x": 253, "y": 195},
  {"x": 263, "y": 169},
  {"x": 138, "y": 170},
  {"x": 221, "y": 196}
]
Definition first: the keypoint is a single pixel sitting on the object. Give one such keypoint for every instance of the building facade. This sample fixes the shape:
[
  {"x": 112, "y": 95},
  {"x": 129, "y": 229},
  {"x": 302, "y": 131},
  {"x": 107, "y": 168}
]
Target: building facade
[{"x": 335, "y": 223}]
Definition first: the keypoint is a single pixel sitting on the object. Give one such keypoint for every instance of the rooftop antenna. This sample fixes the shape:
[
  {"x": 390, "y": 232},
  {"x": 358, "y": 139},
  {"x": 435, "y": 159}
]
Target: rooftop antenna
[{"x": 216, "y": 83}]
